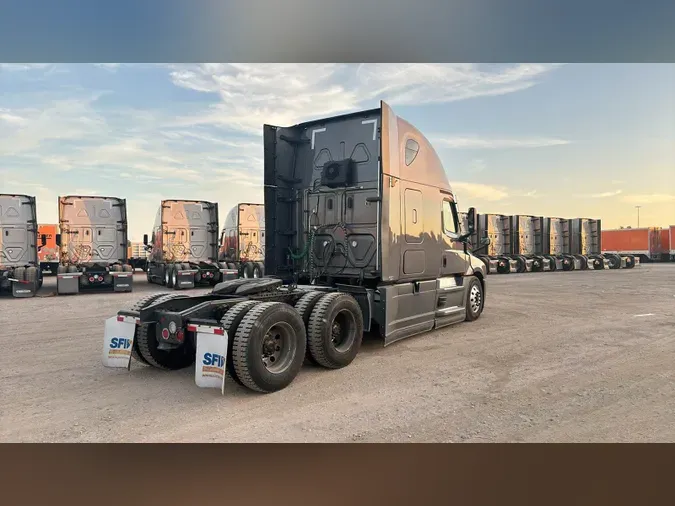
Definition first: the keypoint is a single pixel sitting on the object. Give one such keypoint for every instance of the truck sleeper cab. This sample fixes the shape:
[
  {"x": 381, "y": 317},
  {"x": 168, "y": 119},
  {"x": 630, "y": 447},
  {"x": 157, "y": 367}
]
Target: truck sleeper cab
[
  {"x": 20, "y": 271},
  {"x": 92, "y": 245},
  {"x": 362, "y": 235},
  {"x": 184, "y": 246},
  {"x": 242, "y": 241}
]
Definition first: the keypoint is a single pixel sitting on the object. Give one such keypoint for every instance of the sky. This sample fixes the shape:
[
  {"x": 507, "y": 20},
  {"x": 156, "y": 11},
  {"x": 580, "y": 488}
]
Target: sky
[{"x": 563, "y": 140}]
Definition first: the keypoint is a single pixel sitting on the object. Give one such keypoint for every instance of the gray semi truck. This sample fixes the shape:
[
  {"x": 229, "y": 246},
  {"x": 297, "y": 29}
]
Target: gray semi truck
[
  {"x": 242, "y": 241},
  {"x": 20, "y": 272},
  {"x": 184, "y": 246},
  {"x": 362, "y": 236},
  {"x": 92, "y": 245}
]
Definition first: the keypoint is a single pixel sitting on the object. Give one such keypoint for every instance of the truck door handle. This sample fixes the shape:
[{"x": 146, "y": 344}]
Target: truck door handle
[{"x": 445, "y": 261}]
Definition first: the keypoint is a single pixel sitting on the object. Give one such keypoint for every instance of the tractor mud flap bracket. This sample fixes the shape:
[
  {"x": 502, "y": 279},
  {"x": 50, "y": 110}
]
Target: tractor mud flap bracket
[
  {"x": 211, "y": 356},
  {"x": 185, "y": 279},
  {"x": 118, "y": 341}
]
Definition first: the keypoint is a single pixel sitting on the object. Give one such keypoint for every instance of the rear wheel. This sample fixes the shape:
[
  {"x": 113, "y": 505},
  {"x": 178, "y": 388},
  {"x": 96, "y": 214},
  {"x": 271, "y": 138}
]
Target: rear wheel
[
  {"x": 148, "y": 346},
  {"x": 269, "y": 347},
  {"x": 174, "y": 275},
  {"x": 32, "y": 276},
  {"x": 20, "y": 273},
  {"x": 614, "y": 261},
  {"x": 304, "y": 306},
  {"x": 61, "y": 269},
  {"x": 335, "y": 330},
  {"x": 247, "y": 270},
  {"x": 537, "y": 264},
  {"x": 127, "y": 268},
  {"x": 257, "y": 271},
  {"x": 503, "y": 265},
  {"x": 552, "y": 266},
  {"x": 630, "y": 262},
  {"x": 474, "y": 299},
  {"x": 568, "y": 263},
  {"x": 230, "y": 322},
  {"x": 71, "y": 269},
  {"x": 140, "y": 304},
  {"x": 168, "y": 276}
]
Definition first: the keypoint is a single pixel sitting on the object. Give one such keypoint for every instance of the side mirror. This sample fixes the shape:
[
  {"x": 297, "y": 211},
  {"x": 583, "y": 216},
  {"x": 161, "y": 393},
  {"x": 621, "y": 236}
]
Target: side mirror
[
  {"x": 471, "y": 220},
  {"x": 145, "y": 239},
  {"x": 58, "y": 239},
  {"x": 43, "y": 239},
  {"x": 485, "y": 241}
]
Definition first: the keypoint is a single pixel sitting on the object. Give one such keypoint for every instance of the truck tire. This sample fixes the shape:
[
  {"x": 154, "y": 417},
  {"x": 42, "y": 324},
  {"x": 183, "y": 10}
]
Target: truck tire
[
  {"x": 583, "y": 262},
  {"x": 630, "y": 262},
  {"x": 597, "y": 262},
  {"x": 61, "y": 269},
  {"x": 170, "y": 360},
  {"x": 521, "y": 264},
  {"x": 335, "y": 330},
  {"x": 269, "y": 347},
  {"x": 474, "y": 299},
  {"x": 127, "y": 268},
  {"x": 304, "y": 306},
  {"x": 20, "y": 273},
  {"x": 537, "y": 264},
  {"x": 32, "y": 276},
  {"x": 614, "y": 261},
  {"x": 174, "y": 275},
  {"x": 503, "y": 265},
  {"x": 261, "y": 266},
  {"x": 185, "y": 266},
  {"x": 568, "y": 263},
  {"x": 231, "y": 265},
  {"x": 230, "y": 322},
  {"x": 137, "y": 306},
  {"x": 168, "y": 271},
  {"x": 247, "y": 270},
  {"x": 552, "y": 265},
  {"x": 71, "y": 269}
]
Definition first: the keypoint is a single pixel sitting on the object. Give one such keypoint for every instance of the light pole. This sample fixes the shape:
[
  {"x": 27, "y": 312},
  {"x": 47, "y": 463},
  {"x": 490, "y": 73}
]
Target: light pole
[{"x": 638, "y": 208}]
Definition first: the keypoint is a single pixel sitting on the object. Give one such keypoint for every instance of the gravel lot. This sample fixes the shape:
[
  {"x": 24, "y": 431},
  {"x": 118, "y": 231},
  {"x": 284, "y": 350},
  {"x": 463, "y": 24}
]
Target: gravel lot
[{"x": 556, "y": 357}]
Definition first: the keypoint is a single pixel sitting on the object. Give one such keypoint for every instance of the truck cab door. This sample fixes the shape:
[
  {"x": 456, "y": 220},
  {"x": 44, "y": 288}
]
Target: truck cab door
[{"x": 454, "y": 263}]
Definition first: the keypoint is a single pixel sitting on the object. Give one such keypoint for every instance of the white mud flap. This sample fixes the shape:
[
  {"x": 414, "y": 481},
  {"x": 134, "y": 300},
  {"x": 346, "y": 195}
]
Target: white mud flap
[
  {"x": 118, "y": 341},
  {"x": 211, "y": 356}
]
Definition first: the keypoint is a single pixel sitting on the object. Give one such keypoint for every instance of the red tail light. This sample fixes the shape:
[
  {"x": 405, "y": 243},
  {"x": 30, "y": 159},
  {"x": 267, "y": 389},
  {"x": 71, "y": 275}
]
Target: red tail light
[
  {"x": 219, "y": 331},
  {"x": 180, "y": 336},
  {"x": 165, "y": 333},
  {"x": 91, "y": 279}
]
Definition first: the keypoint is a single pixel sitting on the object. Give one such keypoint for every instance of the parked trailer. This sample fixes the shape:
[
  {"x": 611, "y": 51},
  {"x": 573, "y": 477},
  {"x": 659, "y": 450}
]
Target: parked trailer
[
  {"x": 20, "y": 271},
  {"x": 242, "y": 241},
  {"x": 644, "y": 243},
  {"x": 184, "y": 246},
  {"x": 92, "y": 245},
  {"x": 671, "y": 242},
  {"x": 361, "y": 231},
  {"x": 49, "y": 253}
]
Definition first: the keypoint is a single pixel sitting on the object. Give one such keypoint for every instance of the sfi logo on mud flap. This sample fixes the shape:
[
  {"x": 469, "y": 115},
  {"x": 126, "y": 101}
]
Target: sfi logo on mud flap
[
  {"x": 213, "y": 365},
  {"x": 120, "y": 343}
]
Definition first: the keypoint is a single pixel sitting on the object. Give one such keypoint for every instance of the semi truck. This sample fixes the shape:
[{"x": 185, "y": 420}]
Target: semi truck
[
  {"x": 362, "y": 236},
  {"x": 20, "y": 271},
  {"x": 242, "y": 241},
  {"x": 49, "y": 253},
  {"x": 184, "y": 245},
  {"x": 92, "y": 245}
]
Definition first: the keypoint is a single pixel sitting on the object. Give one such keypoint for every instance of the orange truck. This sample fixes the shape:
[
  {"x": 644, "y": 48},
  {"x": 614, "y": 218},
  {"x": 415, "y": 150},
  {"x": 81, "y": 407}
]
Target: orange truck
[
  {"x": 49, "y": 253},
  {"x": 649, "y": 244}
]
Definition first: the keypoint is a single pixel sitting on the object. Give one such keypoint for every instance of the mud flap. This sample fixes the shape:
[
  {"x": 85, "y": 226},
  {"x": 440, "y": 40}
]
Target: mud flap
[
  {"x": 185, "y": 279},
  {"x": 118, "y": 341},
  {"x": 68, "y": 283},
  {"x": 228, "y": 274},
  {"x": 211, "y": 356},
  {"x": 122, "y": 281},
  {"x": 21, "y": 289}
]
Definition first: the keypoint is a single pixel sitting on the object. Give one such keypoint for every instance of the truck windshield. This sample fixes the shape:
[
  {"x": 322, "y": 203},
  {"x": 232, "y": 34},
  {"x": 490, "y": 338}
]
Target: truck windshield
[{"x": 450, "y": 218}]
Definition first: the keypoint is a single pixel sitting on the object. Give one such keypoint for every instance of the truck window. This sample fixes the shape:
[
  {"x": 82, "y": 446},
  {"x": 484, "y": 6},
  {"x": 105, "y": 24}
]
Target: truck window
[
  {"x": 450, "y": 218},
  {"x": 411, "y": 150}
]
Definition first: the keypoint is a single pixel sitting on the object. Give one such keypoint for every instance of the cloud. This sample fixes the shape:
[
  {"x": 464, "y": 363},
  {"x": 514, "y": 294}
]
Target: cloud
[
  {"x": 653, "y": 198},
  {"x": 479, "y": 190},
  {"x": 601, "y": 195},
  {"x": 111, "y": 67},
  {"x": 462, "y": 142},
  {"x": 24, "y": 67},
  {"x": 284, "y": 94},
  {"x": 477, "y": 165}
]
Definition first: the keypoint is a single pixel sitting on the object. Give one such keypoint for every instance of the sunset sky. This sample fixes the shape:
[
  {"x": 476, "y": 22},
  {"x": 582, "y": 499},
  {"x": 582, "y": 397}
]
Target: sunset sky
[{"x": 574, "y": 140}]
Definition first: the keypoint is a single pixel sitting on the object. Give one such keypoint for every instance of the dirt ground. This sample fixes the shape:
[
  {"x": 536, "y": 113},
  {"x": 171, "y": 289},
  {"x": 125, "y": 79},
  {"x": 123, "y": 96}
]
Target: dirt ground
[{"x": 555, "y": 357}]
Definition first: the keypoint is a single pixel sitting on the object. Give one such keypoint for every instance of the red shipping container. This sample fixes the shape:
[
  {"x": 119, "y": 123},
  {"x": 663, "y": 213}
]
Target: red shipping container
[
  {"x": 671, "y": 241},
  {"x": 634, "y": 241}
]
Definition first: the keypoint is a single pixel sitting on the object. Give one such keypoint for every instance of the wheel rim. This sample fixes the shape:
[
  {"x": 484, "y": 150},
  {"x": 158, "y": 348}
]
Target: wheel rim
[
  {"x": 166, "y": 278},
  {"x": 343, "y": 331},
  {"x": 174, "y": 278},
  {"x": 278, "y": 348},
  {"x": 245, "y": 273},
  {"x": 475, "y": 299}
]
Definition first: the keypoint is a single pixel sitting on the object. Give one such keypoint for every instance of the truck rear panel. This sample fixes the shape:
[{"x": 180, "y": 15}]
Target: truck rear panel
[
  {"x": 243, "y": 238},
  {"x": 18, "y": 236},
  {"x": 189, "y": 231},
  {"x": 93, "y": 230},
  {"x": 586, "y": 236},
  {"x": 559, "y": 235},
  {"x": 527, "y": 235}
]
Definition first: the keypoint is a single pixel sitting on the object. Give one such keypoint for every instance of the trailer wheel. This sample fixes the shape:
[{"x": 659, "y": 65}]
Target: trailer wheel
[
  {"x": 474, "y": 299},
  {"x": 171, "y": 360},
  {"x": 269, "y": 347},
  {"x": 304, "y": 306},
  {"x": 230, "y": 322},
  {"x": 335, "y": 330},
  {"x": 137, "y": 306}
]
